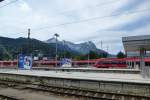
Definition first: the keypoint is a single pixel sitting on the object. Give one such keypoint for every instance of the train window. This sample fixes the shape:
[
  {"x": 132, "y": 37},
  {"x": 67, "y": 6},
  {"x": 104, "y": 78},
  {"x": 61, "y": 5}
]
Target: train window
[
  {"x": 123, "y": 62},
  {"x": 111, "y": 62},
  {"x": 106, "y": 62},
  {"x": 114, "y": 62},
  {"x": 100, "y": 62}
]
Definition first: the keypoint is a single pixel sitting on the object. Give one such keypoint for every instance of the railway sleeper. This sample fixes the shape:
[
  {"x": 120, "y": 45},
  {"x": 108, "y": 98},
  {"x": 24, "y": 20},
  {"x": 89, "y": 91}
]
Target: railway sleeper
[
  {"x": 77, "y": 92},
  {"x": 4, "y": 97}
]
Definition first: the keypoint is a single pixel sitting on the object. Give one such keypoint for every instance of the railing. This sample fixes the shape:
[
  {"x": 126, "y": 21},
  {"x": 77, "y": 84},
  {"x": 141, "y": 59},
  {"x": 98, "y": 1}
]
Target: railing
[{"x": 48, "y": 63}]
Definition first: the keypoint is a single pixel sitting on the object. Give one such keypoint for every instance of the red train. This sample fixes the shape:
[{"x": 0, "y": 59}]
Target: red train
[
  {"x": 111, "y": 63},
  {"x": 98, "y": 63},
  {"x": 42, "y": 63}
]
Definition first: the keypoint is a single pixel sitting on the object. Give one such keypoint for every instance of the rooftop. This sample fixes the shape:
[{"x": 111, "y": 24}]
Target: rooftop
[{"x": 136, "y": 38}]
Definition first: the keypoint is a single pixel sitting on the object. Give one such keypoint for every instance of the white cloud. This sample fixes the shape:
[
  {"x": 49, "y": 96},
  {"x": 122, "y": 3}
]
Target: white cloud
[
  {"x": 47, "y": 13},
  {"x": 25, "y": 7}
]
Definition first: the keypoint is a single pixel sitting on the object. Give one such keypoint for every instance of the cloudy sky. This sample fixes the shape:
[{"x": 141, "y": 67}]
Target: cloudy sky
[{"x": 77, "y": 20}]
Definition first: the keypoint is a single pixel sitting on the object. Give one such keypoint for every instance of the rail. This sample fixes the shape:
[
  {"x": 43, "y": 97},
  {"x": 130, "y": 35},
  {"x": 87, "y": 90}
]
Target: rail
[{"x": 78, "y": 92}]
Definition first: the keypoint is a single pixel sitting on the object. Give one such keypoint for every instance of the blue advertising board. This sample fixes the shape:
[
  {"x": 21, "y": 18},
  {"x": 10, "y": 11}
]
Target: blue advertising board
[
  {"x": 21, "y": 62},
  {"x": 24, "y": 62},
  {"x": 65, "y": 62}
]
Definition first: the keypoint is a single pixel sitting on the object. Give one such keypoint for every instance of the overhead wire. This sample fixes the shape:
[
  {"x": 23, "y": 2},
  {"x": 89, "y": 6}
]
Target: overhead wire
[
  {"x": 89, "y": 19},
  {"x": 92, "y": 6}
]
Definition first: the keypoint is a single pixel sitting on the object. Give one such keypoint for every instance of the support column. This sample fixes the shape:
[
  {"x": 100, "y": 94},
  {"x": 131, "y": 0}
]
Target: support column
[
  {"x": 142, "y": 54},
  {"x": 142, "y": 62},
  {"x": 130, "y": 64},
  {"x": 134, "y": 64}
]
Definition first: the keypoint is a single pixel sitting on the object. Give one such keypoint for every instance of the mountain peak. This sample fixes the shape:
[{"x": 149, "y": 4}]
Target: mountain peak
[
  {"x": 51, "y": 40},
  {"x": 83, "y": 48}
]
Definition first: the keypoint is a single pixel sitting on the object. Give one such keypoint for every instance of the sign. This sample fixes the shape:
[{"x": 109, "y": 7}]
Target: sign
[
  {"x": 66, "y": 62},
  {"x": 24, "y": 62},
  {"x": 21, "y": 62}
]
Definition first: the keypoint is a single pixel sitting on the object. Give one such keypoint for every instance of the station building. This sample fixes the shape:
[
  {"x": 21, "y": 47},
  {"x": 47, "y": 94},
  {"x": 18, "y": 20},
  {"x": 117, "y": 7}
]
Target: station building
[{"x": 138, "y": 49}]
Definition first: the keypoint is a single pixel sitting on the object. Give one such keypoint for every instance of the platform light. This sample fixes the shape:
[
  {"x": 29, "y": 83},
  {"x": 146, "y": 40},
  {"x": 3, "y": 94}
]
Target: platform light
[{"x": 56, "y": 36}]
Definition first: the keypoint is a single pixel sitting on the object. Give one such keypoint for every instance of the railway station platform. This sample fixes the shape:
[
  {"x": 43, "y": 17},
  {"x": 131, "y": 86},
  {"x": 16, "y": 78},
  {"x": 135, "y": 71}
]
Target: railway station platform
[{"x": 124, "y": 84}]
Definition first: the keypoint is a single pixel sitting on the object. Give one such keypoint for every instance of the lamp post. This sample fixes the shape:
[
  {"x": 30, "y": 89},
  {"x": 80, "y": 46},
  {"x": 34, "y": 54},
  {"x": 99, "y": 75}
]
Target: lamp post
[
  {"x": 88, "y": 55},
  {"x": 64, "y": 55},
  {"x": 89, "y": 58},
  {"x": 29, "y": 45},
  {"x": 56, "y": 36}
]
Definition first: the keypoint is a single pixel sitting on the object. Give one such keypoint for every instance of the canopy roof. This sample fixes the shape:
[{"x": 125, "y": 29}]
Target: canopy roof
[{"x": 135, "y": 43}]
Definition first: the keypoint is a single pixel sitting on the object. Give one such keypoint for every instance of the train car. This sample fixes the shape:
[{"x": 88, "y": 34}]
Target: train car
[{"x": 111, "y": 63}]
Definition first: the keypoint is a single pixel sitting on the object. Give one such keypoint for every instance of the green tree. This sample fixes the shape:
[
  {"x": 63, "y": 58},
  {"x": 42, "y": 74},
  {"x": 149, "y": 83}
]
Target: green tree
[
  {"x": 77, "y": 57},
  {"x": 94, "y": 55},
  {"x": 121, "y": 55}
]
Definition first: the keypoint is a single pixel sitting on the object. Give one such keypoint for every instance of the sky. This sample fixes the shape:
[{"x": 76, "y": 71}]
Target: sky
[{"x": 77, "y": 20}]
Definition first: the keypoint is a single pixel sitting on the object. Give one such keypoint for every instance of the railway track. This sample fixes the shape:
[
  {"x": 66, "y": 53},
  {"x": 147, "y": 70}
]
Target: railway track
[
  {"x": 83, "y": 93},
  {"x": 4, "y": 97}
]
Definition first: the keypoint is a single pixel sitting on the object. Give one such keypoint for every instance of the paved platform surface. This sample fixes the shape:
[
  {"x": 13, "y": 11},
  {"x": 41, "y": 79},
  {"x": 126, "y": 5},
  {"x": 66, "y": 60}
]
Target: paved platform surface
[
  {"x": 116, "y": 77},
  {"x": 88, "y": 68}
]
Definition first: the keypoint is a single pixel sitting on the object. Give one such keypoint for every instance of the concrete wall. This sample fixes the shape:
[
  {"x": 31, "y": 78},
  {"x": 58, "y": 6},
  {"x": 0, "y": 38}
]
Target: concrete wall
[
  {"x": 107, "y": 86},
  {"x": 122, "y": 71},
  {"x": 145, "y": 71}
]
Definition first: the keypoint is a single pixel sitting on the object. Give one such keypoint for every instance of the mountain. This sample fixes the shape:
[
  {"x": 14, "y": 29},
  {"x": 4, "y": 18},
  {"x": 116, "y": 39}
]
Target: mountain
[
  {"x": 11, "y": 47},
  {"x": 82, "y": 48},
  {"x": 51, "y": 40}
]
